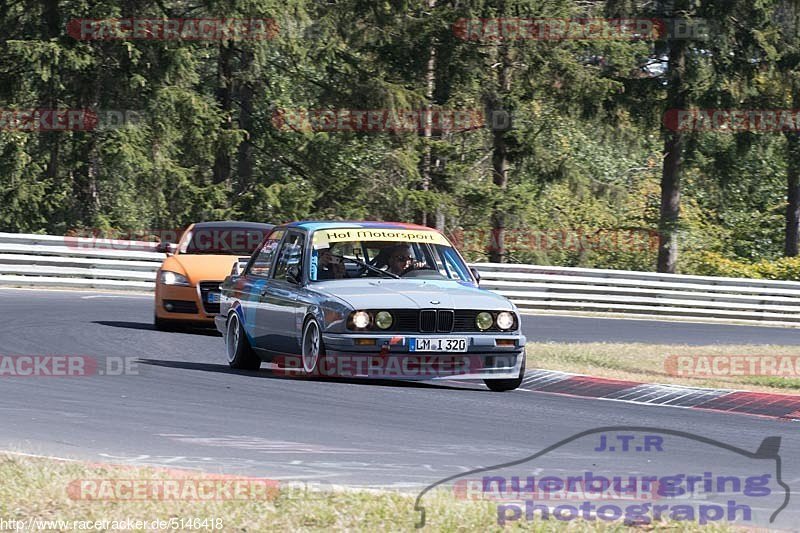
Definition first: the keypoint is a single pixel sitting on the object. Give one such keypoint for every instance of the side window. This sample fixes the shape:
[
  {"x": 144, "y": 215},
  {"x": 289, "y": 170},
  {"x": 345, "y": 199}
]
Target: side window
[
  {"x": 291, "y": 254},
  {"x": 262, "y": 264}
]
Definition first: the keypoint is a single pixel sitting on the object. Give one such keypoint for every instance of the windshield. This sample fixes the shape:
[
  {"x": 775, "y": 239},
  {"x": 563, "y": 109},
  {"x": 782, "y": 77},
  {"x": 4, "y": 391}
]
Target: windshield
[
  {"x": 225, "y": 240},
  {"x": 361, "y": 253}
]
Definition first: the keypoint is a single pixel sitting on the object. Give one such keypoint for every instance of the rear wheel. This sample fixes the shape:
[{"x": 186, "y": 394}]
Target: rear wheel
[
  {"x": 503, "y": 385},
  {"x": 240, "y": 355}
]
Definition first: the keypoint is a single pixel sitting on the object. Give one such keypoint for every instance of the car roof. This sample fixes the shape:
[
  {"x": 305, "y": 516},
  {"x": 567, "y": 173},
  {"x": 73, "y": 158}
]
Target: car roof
[
  {"x": 233, "y": 224},
  {"x": 314, "y": 225}
]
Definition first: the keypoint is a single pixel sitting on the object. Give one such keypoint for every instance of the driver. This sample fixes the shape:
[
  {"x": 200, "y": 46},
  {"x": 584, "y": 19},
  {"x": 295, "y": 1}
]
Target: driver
[{"x": 401, "y": 260}]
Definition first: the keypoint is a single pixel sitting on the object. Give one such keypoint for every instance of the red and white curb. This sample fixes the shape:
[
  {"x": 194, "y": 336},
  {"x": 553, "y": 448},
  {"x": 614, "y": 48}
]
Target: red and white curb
[{"x": 780, "y": 406}]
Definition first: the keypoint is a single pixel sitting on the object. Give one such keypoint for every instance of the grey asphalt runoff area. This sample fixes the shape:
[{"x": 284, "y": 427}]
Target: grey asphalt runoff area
[{"x": 183, "y": 407}]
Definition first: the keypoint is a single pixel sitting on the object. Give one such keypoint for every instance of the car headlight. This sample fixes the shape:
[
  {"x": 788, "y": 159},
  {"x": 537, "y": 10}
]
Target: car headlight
[
  {"x": 361, "y": 319},
  {"x": 383, "y": 319},
  {"x": 484, "y": 320},
  {"x": 505, "y": 320},
  {"x": 173, "y": 278}
]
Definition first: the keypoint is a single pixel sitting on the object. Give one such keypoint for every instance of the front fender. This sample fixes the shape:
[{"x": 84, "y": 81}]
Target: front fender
[
  {"x": 315, "y": 311},
  {"x": 247, "y": 326}
]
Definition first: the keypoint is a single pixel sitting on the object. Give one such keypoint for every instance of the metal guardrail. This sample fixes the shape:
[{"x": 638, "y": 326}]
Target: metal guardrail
[
  {"x": 53, "y": 261},
  {"x": 77, "y": 262},
  {"x": 644, "y": 293}
]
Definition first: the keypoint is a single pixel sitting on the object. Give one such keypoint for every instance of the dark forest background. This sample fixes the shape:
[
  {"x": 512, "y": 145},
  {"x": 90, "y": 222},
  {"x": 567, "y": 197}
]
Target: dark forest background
[{"x": 586, "y": 154}]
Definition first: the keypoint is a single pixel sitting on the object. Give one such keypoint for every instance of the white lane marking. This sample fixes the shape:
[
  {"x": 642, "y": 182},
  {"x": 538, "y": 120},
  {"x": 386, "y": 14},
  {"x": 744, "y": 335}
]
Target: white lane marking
[
  {"x": 78, "y": 291},
  {"x": 259, "y": 444}
]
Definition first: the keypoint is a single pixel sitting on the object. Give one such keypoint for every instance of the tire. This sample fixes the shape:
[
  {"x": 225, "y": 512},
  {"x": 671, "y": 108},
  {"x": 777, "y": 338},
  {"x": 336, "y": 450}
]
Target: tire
[
  {"x": 503, "y": 385},
  {"x": 312, "y": 350},
  {"x": 165, "y": 325},
  {"x": 240, "y": 354}
]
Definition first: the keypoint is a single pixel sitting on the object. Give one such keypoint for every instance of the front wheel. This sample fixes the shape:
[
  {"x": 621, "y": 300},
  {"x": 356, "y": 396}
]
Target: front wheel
[
  {"x": 312, "y": 347},
  {"x": 240, "y": 355},
  {"x": 165, "y": 325},
  {"x": 503, "y": 385}
]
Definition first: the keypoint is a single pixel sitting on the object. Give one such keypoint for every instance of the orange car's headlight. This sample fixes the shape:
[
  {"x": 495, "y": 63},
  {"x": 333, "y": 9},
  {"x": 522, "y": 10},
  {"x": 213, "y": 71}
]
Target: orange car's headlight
[{"x": 173, "y": 278}]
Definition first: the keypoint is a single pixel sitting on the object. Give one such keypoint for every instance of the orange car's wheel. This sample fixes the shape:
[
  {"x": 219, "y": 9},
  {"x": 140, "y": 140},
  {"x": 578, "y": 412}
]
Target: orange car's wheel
[
  {"x": 240, "y": 355},
  {"x": 165, "y": 325}
]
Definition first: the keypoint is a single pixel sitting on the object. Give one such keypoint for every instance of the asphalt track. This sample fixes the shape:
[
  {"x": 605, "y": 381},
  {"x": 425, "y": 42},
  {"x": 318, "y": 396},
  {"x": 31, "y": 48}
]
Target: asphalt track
[{"x": 184, "y": 408}]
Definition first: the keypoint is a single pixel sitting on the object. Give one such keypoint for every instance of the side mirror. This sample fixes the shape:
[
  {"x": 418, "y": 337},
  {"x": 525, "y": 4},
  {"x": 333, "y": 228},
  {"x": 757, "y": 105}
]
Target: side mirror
[
  {"x": 238, "y": 267},
  {"x": 165, "y": 247},
  {"x": 476, "y": 274},
  {"x": 293, "y": 274}
]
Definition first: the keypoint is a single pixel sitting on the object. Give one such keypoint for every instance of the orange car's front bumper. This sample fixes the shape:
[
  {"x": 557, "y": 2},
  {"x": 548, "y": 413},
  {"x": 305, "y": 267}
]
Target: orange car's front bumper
[{"x": 187, "y": 304}]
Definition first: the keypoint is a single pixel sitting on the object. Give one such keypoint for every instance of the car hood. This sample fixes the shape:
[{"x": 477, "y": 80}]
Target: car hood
[
  {"x": 411, "y": 294},
  {"x": 199, "y": 267}
]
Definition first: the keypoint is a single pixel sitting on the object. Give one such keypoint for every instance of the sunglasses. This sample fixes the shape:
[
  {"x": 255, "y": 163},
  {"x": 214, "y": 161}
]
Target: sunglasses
[{"x": 401, "y": 258}]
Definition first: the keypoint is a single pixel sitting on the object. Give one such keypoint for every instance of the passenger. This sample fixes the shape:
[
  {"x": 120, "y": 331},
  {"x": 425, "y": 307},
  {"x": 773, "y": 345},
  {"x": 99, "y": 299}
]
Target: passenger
[{"x": 330, "y": 266}]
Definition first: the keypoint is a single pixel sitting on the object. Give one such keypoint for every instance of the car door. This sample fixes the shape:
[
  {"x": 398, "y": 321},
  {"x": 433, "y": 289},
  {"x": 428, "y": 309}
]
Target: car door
[
  {"x": 256, "y": 276},
  {"x": 280, "y": 300}
]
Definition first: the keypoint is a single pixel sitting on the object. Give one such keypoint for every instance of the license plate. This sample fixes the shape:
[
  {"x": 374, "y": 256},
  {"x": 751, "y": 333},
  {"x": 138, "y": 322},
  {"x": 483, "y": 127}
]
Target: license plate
[
  {"x": 212, "y": 298},
  {"x": 438, "y": 344}
]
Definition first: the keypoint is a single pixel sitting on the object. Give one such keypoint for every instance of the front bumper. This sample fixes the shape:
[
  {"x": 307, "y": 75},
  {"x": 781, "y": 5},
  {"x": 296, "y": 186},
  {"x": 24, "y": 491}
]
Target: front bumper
[
  {"x": 390, "y": 356},
  {"x": 186, "y": 304}
]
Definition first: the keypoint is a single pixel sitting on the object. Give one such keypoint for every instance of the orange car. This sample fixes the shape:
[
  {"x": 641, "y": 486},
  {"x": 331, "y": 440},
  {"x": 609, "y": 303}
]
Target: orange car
[{"x": 187, "y": 284}]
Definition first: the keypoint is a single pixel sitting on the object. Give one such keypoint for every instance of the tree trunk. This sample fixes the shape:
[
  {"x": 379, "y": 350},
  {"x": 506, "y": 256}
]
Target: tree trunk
[
  {"x": 51, "y": 28},
  {"x": 792, "y": 236},
  {"x": 427, "y": 132},
  {"x": 500, "y": 164},
  {"x": 673, "y": 159},
  {"x": 791, "y": 241},
  {"x": 244, "y": 167},
  {"x": 670, "y": 203},
  {"x": 222, "y": 160}
]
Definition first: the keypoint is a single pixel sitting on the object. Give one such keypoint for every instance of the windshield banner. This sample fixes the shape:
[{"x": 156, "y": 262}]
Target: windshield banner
[{"x": 323, "y": 238}]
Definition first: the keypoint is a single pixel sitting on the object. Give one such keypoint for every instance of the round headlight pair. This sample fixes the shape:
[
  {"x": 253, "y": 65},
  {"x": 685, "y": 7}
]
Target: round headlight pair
[
  {"x": 383, "y": 319},
  {"x": 485, "y": 320},
  {"x": 505, "y": 320},
  {"x": 362, "y": 319}
]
